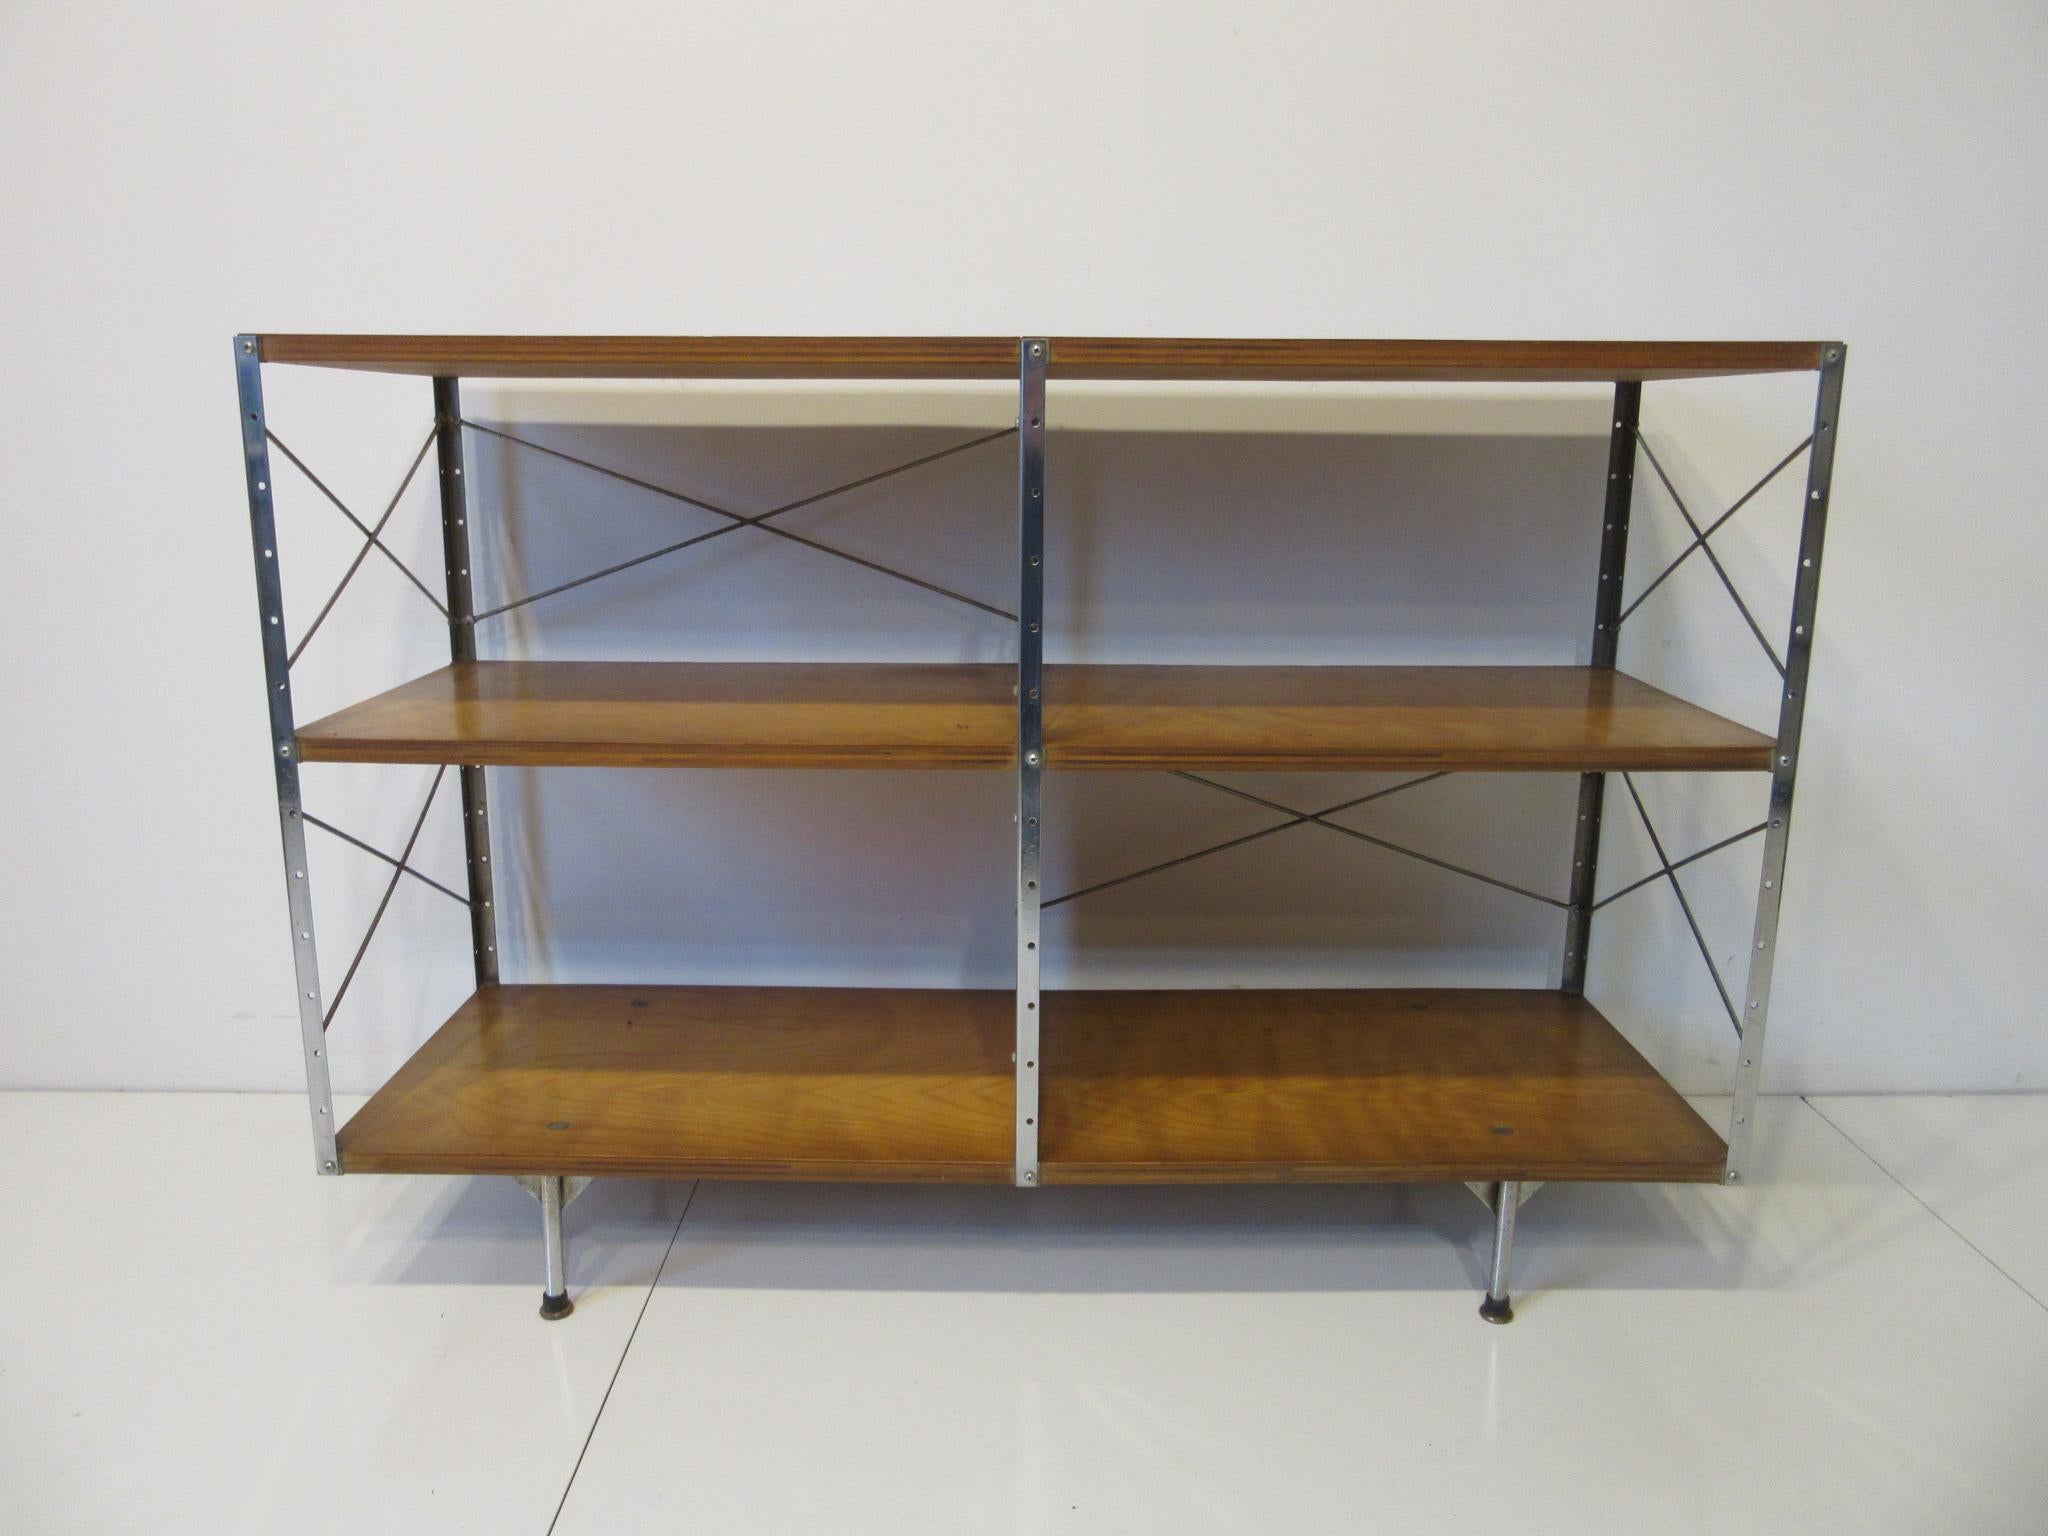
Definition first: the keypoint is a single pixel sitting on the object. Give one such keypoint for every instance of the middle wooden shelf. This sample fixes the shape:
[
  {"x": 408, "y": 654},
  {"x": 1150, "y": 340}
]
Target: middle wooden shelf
[{"x": 963, "y": 715}]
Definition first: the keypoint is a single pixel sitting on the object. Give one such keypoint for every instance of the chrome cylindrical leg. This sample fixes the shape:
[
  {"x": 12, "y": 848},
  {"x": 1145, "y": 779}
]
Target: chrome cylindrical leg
[
  {"x": 1506, "y": 1197},
  {"x": 554, "y": 1300}
]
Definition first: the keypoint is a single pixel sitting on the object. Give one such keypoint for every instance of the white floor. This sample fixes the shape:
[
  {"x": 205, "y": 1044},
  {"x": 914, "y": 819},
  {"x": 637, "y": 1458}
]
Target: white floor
[{"x": 201, "y": 1336}]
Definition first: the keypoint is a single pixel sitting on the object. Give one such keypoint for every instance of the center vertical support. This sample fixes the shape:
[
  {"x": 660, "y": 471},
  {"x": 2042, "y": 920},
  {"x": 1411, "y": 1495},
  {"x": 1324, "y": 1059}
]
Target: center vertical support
[
  {"x": 476, "y": 822},
  {"x": 1820, "y": 471},
  {"x": 1621, "y": 475},
  {"x": 277, "y": 687},
  {"x": 1030, "y": 734}
]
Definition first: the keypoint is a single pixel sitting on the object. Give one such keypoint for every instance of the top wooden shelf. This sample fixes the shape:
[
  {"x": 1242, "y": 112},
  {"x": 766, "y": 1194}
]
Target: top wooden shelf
[{"x": 1072, "y": 357}]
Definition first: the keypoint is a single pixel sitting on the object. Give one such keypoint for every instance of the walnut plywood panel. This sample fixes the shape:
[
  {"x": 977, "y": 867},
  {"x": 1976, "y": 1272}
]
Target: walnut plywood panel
[
  {"x": 1328, "y": 718},
  {"x": 682, "y": 714},
  {"x": 1235, "y": 1086},
  {"x": 1104, "y": 357},
  {"x": 713, "y": 1082},
  {"x": 1071, "y": 357},
  {"x": 658, "y": 357},
  {"x": 1140, "y": 1087},
  {"x": 847, "y": 715}
]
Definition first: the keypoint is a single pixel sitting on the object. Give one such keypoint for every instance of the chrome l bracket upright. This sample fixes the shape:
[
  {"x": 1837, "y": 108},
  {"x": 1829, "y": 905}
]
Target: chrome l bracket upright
[
  {"x": 284, "y": 748},
  {"x": 476, "y": 823},
  {"x": 1755, "y": 1010},
  {"x": 1621, "y": 474},
  {"x": 1030, "y": 736}
]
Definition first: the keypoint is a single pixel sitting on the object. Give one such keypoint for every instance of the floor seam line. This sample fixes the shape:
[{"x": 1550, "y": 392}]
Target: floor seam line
[
  {"x": 568, "y": 1487},
  {"x": 1930, "y": 1210}
]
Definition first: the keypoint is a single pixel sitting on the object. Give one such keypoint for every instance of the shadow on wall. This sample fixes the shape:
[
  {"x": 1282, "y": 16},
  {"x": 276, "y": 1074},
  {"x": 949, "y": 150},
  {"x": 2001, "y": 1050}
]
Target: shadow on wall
[{"x": 1162, "y": 546}]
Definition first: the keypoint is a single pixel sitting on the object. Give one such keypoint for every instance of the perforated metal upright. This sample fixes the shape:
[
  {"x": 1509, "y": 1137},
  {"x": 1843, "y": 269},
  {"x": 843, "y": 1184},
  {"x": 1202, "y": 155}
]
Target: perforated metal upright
[
  {"x": 1030, "y": 735},
  {"x": 284, "y": 748},
  {"x": 1621, "y": 476},
  {"x": 476, "y": 823},
  {"x": 1820, "y": 475}
]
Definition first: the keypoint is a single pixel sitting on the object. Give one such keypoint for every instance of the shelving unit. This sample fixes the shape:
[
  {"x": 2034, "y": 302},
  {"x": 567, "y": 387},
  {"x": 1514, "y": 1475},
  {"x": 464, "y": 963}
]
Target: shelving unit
[{"x": 1502, "y": 1089}]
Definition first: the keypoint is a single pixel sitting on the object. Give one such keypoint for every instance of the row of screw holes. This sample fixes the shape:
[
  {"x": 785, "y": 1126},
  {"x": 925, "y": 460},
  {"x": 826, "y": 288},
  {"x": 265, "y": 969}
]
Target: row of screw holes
[
  {"x": 284, "y": 750},
  {"x": 1815, "y": 495},
  {"x": 1030, "y": 1175}
]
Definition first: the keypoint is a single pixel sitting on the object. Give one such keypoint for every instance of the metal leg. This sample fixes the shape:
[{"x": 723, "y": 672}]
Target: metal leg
[
  {"x": 554, "y": 1298},
  {"x": 284, "y": 749},
  {"x": 1621, "y": 474},
  {"x": 1755, "y": 1012},
  {"x": 1030, "y": 737},
  {"x": 476, "y": 825},
  {"x": 1496, "y": 1308}
]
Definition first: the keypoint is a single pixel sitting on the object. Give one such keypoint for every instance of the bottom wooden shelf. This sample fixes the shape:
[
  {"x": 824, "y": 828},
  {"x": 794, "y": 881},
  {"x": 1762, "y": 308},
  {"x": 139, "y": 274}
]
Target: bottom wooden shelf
[
  {"x": 1355, "y": 1086},
  {"x": 1138, "y": 1087},
  {"x": 718, "y": 1082}
]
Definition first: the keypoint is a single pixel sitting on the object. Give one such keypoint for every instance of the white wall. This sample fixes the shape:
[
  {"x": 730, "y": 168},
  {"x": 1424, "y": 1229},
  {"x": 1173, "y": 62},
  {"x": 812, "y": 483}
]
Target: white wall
[{"x": 167, "y": 179}]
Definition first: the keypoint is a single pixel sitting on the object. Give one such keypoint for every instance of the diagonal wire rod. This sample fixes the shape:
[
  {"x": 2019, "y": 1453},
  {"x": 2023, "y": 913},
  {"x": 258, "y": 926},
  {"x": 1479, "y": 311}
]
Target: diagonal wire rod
[
  {"x": 1294, "y": 819},
  {"x": 1714, "y": 527},
  {"x": 1636, "y": 885},
  {"x": 740, "y": 520},
  {"x": 364, "y": 553},
  {"x": 379, "y": 853},
  {"x": 1378, "y": 842},
  {"x": 361, "y": 527},
  {"x": 719, "y": 533},
  {"x": 1685, "y": 906},
  {"x": 1700, "y": 540},
  {"x": 364, "y": 947}
]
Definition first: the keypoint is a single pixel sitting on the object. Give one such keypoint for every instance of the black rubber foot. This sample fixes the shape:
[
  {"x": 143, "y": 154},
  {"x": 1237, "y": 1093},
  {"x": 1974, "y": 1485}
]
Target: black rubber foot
[
  {"x": 553, "y": 1308},
  {"x": 1497, "y": 1311}
]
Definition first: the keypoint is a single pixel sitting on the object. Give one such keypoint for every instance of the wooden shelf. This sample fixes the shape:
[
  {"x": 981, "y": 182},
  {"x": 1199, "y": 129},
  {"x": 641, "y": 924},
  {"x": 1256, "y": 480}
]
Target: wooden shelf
[
  {"x": 1139, "y": 1087},
  {"x": 1071, "y": 357},
  {"x": 682, "y": 714},
  {"x": 714, "y": 1082},
  {"x": 1343, "y": 1086},
  {"x": 843, "y": 715},
  {"x": 1391, "y": 718}
]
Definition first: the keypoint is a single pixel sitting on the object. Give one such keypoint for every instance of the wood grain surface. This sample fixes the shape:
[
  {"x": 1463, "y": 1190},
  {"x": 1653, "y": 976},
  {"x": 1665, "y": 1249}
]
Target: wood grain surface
[
  {"x": 856, "y": 715},
  {"x": 1107, "y": 357},
  {"x": 1341, "y": 1086},
  {"x": 1137, "y": 1087},
  {"x": 1405, "y": 718},
  {"x": 658, "y": 357},
  {"x": 1071, "y": 357},
  {"x": 682, "y": 714},
  {"x": 718, "y": 1082}
]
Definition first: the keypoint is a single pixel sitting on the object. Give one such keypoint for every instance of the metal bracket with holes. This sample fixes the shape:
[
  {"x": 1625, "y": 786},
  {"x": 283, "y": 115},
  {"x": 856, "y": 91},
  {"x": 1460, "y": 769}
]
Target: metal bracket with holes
[{"x": 1030, "y": 736}]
